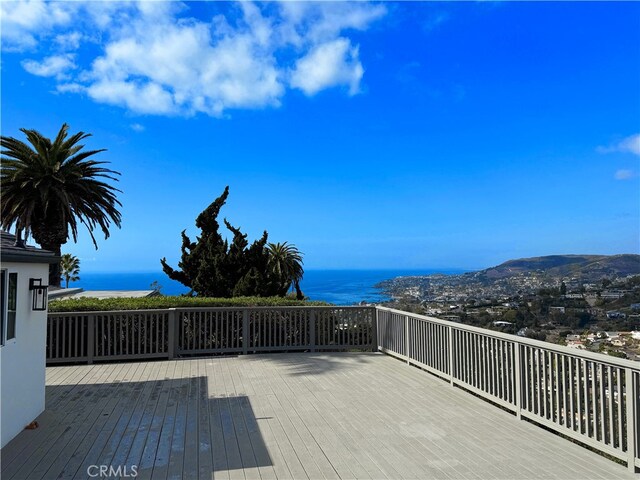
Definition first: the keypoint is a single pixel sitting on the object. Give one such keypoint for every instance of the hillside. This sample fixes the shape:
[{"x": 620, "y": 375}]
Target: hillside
[{"x": 587, "y": 268}]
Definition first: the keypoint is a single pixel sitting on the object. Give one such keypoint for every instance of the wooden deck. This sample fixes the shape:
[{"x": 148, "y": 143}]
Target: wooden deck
[{"x": 282, "y": 416}]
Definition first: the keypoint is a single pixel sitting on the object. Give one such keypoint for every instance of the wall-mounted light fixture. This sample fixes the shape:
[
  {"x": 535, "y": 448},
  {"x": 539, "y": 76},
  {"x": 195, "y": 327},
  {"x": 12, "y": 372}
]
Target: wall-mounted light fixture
[{"x": 39, "y": 294}]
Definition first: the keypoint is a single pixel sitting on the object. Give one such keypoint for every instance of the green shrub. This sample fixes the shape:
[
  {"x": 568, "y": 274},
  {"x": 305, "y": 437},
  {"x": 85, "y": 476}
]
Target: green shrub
[{"x": 161, "y": 302}]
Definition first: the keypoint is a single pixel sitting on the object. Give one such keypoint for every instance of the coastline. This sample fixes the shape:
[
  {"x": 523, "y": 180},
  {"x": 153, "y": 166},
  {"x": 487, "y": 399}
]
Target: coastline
[{"x": 340, "y": 287}]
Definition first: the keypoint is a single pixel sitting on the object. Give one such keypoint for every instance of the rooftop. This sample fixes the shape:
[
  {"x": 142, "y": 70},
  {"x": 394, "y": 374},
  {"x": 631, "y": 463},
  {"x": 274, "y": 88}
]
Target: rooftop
[
  {"x": 11, "y": 252},
  {"x": 290, "y": 415}
]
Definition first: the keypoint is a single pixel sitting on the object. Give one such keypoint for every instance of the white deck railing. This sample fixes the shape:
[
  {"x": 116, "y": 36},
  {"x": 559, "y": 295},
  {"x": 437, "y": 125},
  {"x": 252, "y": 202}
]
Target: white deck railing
[{"x": 590, "y": 397}]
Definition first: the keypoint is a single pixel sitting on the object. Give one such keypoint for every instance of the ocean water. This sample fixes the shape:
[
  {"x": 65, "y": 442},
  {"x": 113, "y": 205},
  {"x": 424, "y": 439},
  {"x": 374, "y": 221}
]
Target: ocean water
[{"x": 340, "y": 287}]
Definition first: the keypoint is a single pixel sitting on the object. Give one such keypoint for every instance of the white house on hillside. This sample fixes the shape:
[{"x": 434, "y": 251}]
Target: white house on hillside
[{"x": 24, "y": 274}]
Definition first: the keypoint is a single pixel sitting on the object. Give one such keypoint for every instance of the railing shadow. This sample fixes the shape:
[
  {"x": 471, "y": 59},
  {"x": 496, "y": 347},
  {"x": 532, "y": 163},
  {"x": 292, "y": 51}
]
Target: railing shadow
[{"x": 161, "y": 427}]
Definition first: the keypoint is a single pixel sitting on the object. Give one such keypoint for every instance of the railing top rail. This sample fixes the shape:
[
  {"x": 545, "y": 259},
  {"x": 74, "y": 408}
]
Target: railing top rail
[
  {"x": 207, "y": 309},
  {"x": 276, "y": 307},
  {"x": 109, "y": 312},
  {"x": 599, "y": 357}
]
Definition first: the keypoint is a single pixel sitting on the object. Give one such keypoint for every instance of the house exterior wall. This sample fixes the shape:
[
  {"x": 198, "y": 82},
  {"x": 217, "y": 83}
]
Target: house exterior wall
[{"x": 22, "y": 360}]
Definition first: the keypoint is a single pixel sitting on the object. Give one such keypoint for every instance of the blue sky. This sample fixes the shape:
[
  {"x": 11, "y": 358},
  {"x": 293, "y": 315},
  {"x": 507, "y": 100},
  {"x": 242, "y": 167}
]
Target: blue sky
[{"x": 380, "y": 135}]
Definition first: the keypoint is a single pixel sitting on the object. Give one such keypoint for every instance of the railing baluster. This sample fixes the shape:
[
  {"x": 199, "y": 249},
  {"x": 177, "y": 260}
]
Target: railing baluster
[
  {"x": 620, "y": 410},
  {"x": 587, "y": 407},
  {"x": 517, "y": 382},
  {"x": 611, "y": 410},
  {"x": 556, "y": 388},
  {"x": 452, "y": 337},
  {"x": 475, "y": 359},
  {"x": 630, "y": 401},
  {"x": 91, "y": 338},
  {"x": 245, "y": 331},
  {"x": 58, "y": 339},
  {"x": 486, "y": 357},
  {"x": 601, "y": 401},
  {"x": 406, "y": 338},
  {"x": 572, "y": 394},
  {"x": 545, "y": 391},
  {"x": 494, "y": 366},
  {"x": 594, "y": 404},
  {"x": 561, "y": 384},
  {"x": 501, "y": 369}
]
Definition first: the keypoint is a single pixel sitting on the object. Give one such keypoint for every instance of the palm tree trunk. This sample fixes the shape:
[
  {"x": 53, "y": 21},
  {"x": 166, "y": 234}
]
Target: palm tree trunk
[
  {"x": 51, "y": 234},
  {"x": 54, "y": 269},
  {"x": 299, "y": 294}
]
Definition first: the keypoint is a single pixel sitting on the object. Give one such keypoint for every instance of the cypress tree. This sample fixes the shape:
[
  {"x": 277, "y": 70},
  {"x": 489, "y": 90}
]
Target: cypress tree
[{"x": 211, "y": 267}]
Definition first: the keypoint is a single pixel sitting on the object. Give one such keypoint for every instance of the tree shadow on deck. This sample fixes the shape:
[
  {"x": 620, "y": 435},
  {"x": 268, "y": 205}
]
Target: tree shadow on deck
[
  {"x": 163, "y": 427},
  {"x": 314, "y": 363}
]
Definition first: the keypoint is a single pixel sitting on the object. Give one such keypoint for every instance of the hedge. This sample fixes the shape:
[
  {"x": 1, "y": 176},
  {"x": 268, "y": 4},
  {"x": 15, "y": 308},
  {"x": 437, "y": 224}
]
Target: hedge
[{"x": 106, "y": 304}]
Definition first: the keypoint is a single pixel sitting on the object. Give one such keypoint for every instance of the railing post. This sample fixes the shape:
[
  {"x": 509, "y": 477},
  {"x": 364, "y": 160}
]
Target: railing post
[
  {"x": 451, "y": 356},
  {"x": 312, "y": 330},
  {"x": 630, "y": 391},
  {"x": 245, "y": 331},
  {"x": 406, "y": 338},
  {"x": 171, "y": 326},
  {"x": 91, "y": 338},
  {"x": 518, "y": 386}
]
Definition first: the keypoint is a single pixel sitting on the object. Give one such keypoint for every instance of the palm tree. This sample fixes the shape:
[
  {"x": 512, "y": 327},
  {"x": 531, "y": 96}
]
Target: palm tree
[
  {"x": 285, "y": 260},
  {"x": 48, "y": 188},
  {"x": 69, "y": 268}
]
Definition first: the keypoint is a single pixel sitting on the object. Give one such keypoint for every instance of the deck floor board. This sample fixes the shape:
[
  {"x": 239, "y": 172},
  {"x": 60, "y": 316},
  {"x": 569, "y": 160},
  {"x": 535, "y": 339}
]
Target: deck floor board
[{"x": 281, "y": 417}]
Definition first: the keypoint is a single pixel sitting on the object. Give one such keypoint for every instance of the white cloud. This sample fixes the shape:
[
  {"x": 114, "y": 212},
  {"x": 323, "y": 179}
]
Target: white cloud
[
  {"x": 318, "y": 22},
  {"x": 143, "y": 97},
  {"x": 624, "y": 174},
  {"x": 185, "y": 71},
  {"x": 154, "y": 58},
  {"x": 70, "y": 88},
  {"x": 137, "y": 127},
  {"x": 55, "y": 66},
  {"x": 327, "y": 65},
  {"x": 630, "y": 144},
  {"x": 69, "y": 41},
  {"x": 22, "y": 21}
]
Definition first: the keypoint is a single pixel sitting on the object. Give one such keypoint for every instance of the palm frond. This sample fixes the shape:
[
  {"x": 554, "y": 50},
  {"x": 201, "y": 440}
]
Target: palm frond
[{"x": 49, "y": 188}]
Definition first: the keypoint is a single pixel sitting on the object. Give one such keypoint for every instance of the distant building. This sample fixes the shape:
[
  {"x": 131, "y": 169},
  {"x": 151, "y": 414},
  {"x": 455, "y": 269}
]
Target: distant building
[
  {"x": 502, "y": 323},
  {"x": 65, "y": 293},
  {"x": 573, "y": 338},
  {"x": 612, "y": 295},
  {"x": 557, "y": 309}
]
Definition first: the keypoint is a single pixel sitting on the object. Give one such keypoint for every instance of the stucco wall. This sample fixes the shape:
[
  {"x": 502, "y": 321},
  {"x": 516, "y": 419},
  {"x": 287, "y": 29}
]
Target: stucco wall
[{"x": 22, "y": 360}]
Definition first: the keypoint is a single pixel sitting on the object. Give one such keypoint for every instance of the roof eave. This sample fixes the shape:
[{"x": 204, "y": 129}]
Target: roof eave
[{"x": 28, "y": 258}]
